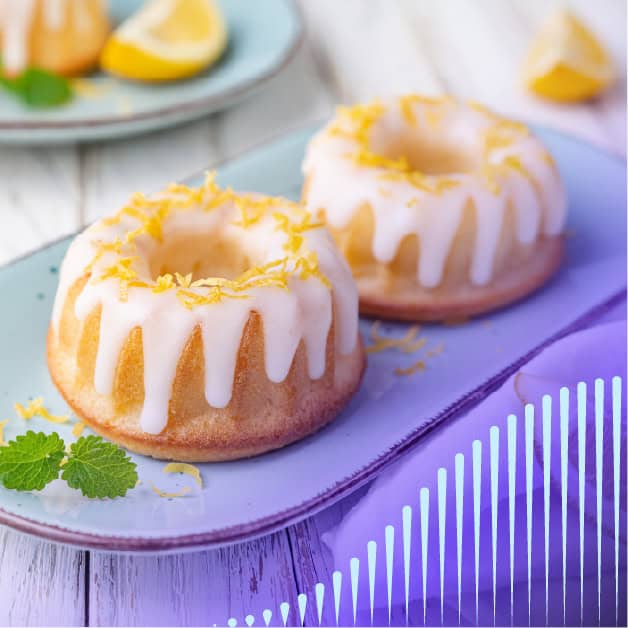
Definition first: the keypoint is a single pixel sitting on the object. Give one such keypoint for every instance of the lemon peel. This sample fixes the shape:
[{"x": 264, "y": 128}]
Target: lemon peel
[
  {"x": 184, "y": 491},
  {"x": 150, "y": 214},
  {"x": 187, "y": 469},
  {"x": 566, "y": 62},
  {"x": 409, "y": 343},
  {"x": 417, "y": 367},
  {"x": 35, "y": 407},
  {"x": 166, "y": 40}
]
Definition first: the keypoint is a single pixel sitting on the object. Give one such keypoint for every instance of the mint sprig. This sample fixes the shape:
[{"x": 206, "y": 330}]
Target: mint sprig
[
  {"x": 31, "y": 461},
  {"x": 96, "y": 467},
  {"x": 99, "y": 468},
  {"x": 39, "y": 88}
]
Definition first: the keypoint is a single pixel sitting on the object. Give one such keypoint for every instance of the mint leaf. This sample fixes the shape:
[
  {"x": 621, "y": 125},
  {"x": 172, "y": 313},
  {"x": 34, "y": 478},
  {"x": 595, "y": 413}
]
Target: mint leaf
[
  {"x": 99, "y": 468},
  {"x": 39, "y": 88},
  {"x": 31, "y": 461}
]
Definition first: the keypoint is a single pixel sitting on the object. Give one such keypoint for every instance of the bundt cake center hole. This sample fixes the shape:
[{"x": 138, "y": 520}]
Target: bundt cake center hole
[
  {"x": 430, "y": 156},
  {"x": 201, "y": 255}
]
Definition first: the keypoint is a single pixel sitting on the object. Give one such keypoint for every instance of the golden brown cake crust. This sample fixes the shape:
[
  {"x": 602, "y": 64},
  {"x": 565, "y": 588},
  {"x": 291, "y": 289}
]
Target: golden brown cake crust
[
  {"x": 219, "y": 434},
  {"x": 420, "y": 304}
]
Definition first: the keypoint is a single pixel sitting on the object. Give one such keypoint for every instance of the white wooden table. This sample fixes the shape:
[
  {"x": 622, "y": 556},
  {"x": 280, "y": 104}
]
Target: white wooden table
[{"x": 355, "y": 49}]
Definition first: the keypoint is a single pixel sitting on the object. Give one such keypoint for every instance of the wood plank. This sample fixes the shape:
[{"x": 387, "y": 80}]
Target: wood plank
[
  {"x": 42, "y": 584},
  {"x": 367, "y": 50},
  {"x": 39, "y": 197},
  {"x": 299, "y": 94},
  {"x": 202, "y": 588}
]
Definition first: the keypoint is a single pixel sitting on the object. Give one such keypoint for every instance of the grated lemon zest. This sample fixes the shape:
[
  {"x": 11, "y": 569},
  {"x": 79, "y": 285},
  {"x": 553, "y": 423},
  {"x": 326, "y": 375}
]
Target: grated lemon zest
[
  {"x": 432, "y": 116},
  {"x": 409, "y": 343},
  {"x": 78, "y": 428},
  {"x": 437, "y": 350},
  {"x": 417, "y": 367},
  {"x": 184, "y": 281},
  {"x": 163, "y": 283},
  {"x": 2, "y": 425},
  {"x": 184, "y": 491},
  {"x": 188, "y": 469},
  {"x": 308, "y": 267},
  {"x": 355, "y": 123},
  {"x": 36, "y": 407},
  {"x": 151, "y": 213}
]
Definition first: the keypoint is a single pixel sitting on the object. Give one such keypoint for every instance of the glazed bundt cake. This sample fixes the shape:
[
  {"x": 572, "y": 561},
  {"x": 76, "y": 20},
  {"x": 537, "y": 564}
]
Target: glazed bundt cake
[
  {"x": 200, "y": 324},
  {"x": 443, "y": 209}
]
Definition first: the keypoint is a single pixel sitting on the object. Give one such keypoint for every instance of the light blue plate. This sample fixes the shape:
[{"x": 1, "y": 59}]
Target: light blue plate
[
  {"x": 390, "y": 413},
  {"x": 263, "y": 36}
]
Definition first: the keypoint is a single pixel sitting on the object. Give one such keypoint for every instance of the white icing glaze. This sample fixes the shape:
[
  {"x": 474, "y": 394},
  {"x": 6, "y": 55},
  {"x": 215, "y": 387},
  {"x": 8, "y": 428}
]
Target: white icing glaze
[
  {"x": 15, "y": 27},
  {"x": 301, "y": 312},
  {"x": 340, "y": 186}
]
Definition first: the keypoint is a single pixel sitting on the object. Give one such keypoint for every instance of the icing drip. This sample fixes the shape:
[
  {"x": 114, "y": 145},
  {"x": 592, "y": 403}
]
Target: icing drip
[
  {"x": 347, "y": 166},
  {"x": 53, "y": 13},
  {"x": 16, "y": 18},
  {"x": 298, "y": 280}
]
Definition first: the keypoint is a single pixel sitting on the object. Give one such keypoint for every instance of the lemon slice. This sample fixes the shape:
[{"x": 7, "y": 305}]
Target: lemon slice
[
  {"x": 166, "y": 40},
  {"x": 566, "y": 62}
]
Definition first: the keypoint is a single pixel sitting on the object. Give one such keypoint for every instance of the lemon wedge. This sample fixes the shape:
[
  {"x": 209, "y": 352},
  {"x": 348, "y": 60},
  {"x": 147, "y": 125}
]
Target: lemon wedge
[
  {"x": 566, "y": 62},
  {"x": 166, "y": 40}
]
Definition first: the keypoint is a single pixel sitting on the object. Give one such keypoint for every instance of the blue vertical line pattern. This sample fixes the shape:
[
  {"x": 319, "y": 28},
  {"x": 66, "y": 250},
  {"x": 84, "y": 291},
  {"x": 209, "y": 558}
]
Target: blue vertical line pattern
[
  {"x": 513, "y": 454},
  {"x": 582, "y": 436},
  {"x": 459, "y": 478},
  {"x": 547, "y": 451},
  {"x": 389, "y": 536},
  {"x": 267, "y": 615},
  {"x": 406, "y": 516},
  {"x": 371, "y": 553},
  {"x": 477, "y": 494},
  {"x": 354, "y": 566},
  {"x": 336, "y": 579},
  {"x": 319, "y": 591},
  {"x": 284, "y": 609},
  {"x": 424, "y": 499},
  {"x": 302, "y": 603},
  {"x": 529, "y": 449},
  {"x": 616, "y": 453},
  {"x": 442, "y": 514},
  {"x": 494, "y": 453},
  {"x": 599, "y": 465},
  {"x": 564, "y": 446},
  {"x": 512, "y": 468}
]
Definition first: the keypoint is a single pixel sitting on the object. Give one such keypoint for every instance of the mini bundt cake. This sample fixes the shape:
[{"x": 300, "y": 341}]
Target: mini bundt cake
[
  {"x": 200, "y": 324},
  {"x": 442, "y": 209},
  {"x": 62, "y": 36}
]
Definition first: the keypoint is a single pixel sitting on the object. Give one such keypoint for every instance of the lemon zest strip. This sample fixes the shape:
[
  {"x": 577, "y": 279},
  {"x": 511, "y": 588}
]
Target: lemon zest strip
[
  {"x": 36, "y": 407},
  {"x": 184, "y": 491},
  {"x": 188, "y": 469},
  {"x": 417, "y": 367}
]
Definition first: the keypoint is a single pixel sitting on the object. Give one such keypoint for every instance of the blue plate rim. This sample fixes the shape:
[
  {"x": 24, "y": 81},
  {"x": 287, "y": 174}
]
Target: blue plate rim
[
  {"x": 192, "y": 108},
  {"x": 344, "y": 486}
]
